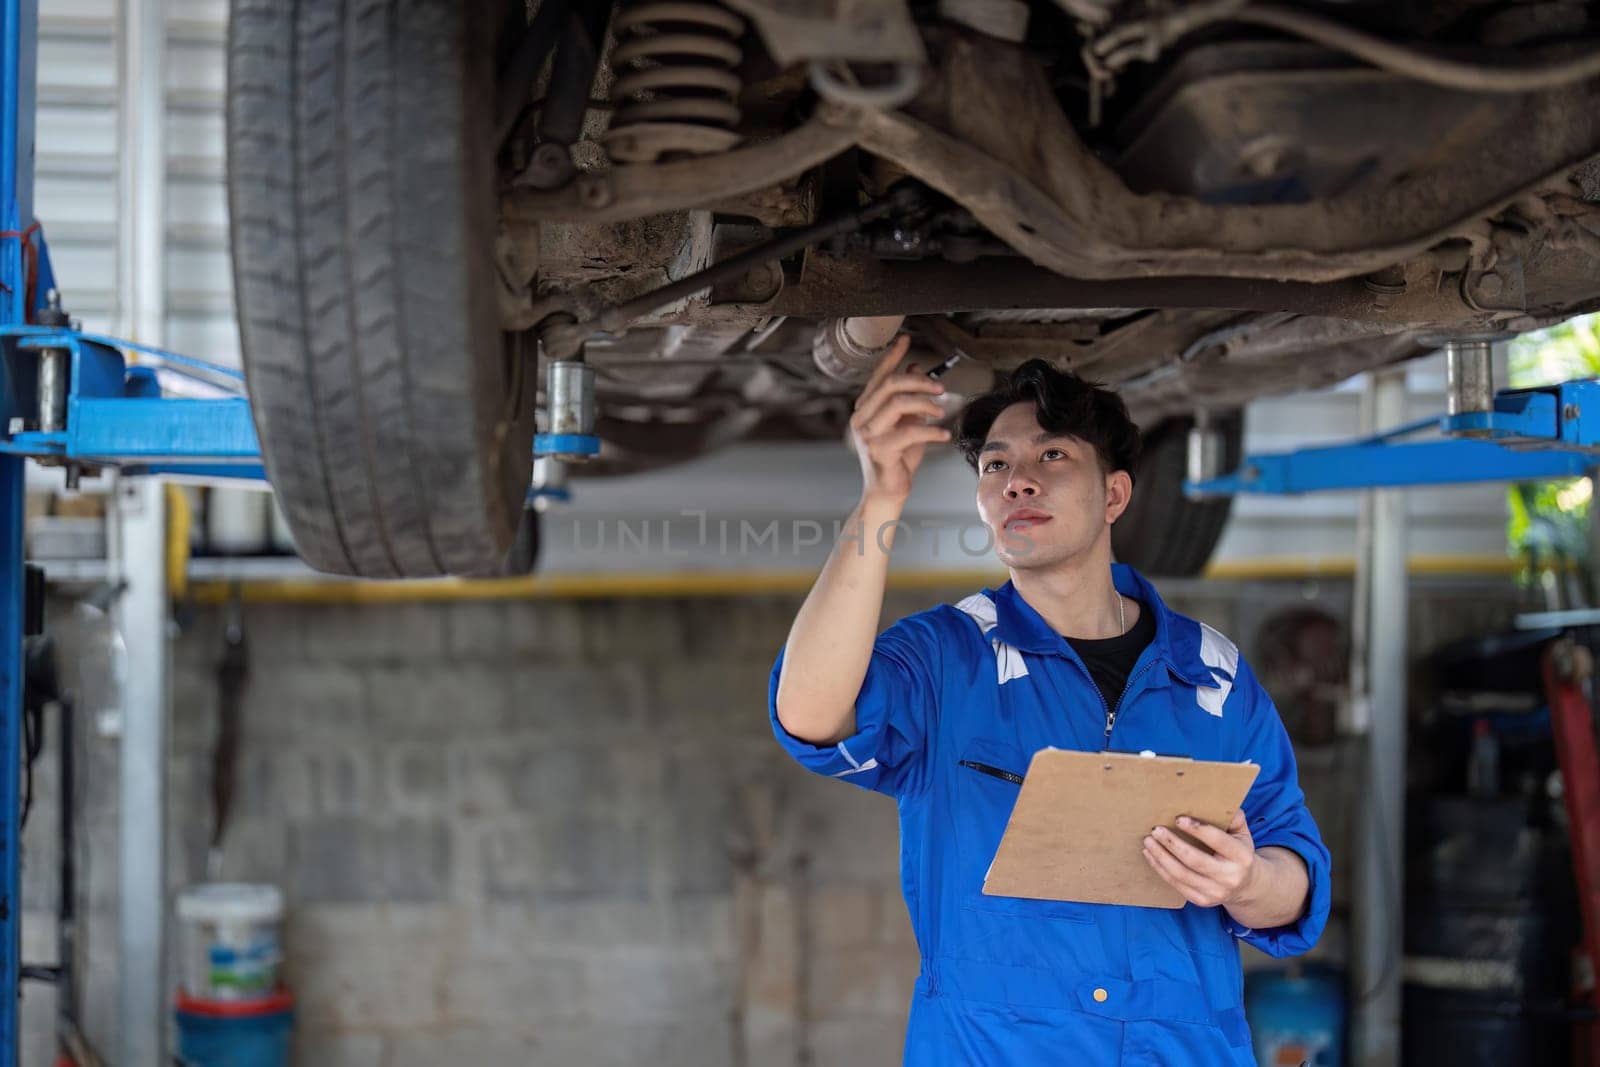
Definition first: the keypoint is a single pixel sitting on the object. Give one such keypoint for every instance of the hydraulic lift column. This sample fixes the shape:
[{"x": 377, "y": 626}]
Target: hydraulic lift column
[
  {"x": 18, "y": 43},
  {"x": 1381, "y": 652},
  {"x": 138, "y": 547}
]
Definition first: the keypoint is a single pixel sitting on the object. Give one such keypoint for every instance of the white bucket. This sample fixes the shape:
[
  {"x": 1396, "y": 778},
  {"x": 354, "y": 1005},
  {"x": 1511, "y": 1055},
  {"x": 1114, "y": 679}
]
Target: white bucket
[
  {"x": 238, "y": 522},
  {"x": 231, "y": 948}
]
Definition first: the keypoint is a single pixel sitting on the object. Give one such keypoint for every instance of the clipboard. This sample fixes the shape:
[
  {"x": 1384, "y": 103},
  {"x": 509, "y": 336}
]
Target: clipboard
[{"x": 1078, "y": 827}]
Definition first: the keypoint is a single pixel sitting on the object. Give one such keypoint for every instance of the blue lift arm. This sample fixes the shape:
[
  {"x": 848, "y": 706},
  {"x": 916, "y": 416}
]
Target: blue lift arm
[
  {"x": 1551, "y": 432},
  {"x": 116, "y": 416}
]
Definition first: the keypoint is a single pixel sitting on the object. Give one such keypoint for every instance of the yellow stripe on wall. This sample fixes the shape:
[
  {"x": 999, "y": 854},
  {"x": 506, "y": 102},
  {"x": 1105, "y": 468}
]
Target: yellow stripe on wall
[
  {"x": 755, "y": 583},
  {"x": 1290, "y": 567}
]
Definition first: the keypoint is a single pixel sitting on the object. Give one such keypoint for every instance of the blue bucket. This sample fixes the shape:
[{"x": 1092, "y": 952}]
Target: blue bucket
[
  {"x": 235, "y": 1034},
  {"x": 1296, "y": 1017}
]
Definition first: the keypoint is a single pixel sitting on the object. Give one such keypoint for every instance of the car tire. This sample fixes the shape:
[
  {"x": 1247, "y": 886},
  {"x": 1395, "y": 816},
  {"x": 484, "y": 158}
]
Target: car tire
[
  {"x": 1164, "y": 532},
  {"x": 395, "y": 419}
]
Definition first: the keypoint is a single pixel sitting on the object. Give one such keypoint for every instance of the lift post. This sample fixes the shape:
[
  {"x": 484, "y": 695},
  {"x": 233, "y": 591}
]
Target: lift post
[
  {"x": 18, "y": 48},
  {"x": 69, "y": 399}
]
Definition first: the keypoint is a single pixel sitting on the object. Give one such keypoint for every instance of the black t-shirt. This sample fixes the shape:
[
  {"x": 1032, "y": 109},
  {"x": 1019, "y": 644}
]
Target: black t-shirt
[{"x": 1110, "y": 660}]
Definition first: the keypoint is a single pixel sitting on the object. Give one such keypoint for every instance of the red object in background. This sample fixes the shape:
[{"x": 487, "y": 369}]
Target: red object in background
[
  {"x": 1568, "y": 667},
  {"x": 30, "y": 261},
  {"x": 280, "y": 1001}
]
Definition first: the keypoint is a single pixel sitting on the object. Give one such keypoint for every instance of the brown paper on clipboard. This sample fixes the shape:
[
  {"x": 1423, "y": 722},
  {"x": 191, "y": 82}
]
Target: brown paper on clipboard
[{"x": 1078, "y": 827}]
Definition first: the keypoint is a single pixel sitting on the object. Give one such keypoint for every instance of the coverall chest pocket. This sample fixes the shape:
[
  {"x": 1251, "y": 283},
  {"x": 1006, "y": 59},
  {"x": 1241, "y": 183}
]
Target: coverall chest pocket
[{"x": 988, "y": 781}]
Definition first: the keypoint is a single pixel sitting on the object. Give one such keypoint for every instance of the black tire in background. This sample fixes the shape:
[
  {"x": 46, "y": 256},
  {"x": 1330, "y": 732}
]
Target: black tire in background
[
  {"x": 396, "y": 421},
  {"x": 523, "y": 558},
  {"x": 1164, "y": 532}
]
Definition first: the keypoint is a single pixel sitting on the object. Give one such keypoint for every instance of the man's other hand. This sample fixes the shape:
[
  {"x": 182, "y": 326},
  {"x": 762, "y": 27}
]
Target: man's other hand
[
  {"x": 1205, "y": 879},
  {"x": 1261, "y": 888}
]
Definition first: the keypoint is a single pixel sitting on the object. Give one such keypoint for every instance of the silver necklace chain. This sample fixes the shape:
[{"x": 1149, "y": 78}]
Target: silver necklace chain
[{"x": 1122, "y": 617}]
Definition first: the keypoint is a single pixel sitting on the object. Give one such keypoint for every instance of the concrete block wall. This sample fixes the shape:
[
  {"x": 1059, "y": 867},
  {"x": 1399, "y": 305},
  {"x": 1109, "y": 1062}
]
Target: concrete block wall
[
  {"x": 553, "y": 832},
  {"x": 549, "y": 832}
]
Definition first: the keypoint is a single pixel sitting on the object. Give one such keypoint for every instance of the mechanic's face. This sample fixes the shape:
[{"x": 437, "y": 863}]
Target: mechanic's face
[{"x": 1043, "y": 495}]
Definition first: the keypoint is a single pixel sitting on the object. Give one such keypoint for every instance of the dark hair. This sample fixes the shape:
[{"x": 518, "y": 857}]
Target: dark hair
[{"x": 1063, "y": 403}]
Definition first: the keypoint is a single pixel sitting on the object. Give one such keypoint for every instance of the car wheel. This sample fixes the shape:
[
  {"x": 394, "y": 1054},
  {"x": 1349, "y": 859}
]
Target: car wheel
[
  {"x": 395, "y": 419},
  {"x": 1164, "y": 532}
]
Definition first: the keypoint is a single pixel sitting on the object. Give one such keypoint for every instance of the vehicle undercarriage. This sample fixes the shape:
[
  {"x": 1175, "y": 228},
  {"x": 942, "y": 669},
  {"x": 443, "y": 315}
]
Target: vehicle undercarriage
[{"x": 723, "y": 208}]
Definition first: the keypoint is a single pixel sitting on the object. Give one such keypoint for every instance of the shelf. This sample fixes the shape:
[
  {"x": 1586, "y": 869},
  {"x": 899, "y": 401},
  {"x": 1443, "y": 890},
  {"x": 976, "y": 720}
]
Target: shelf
[{"x": 201, "y": 569}]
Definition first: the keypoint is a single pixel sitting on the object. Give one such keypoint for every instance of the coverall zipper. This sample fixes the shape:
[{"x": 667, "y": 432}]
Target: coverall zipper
[{"x": 1111, "y": 713}]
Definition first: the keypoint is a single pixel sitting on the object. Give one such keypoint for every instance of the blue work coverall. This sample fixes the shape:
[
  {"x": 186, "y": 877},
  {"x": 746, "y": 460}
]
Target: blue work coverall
[{"x": 1012, "y": 981}]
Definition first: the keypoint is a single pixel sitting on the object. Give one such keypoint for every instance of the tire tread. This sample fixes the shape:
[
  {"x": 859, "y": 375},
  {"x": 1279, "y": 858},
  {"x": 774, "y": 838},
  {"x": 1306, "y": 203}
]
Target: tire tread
[
  {"x": 1163, "y": 532},
  {"x": 362, "y": 217}
]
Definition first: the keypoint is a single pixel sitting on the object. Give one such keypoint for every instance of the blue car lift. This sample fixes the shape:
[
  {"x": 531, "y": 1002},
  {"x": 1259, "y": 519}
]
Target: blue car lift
[
  {"x": 116, "y": 415},
  {"x": 71, "y": 399},
  {"x": 1525, "y": 435},
  {"x": 75, "y": 400},
  {"x": 18, "y": 46}
]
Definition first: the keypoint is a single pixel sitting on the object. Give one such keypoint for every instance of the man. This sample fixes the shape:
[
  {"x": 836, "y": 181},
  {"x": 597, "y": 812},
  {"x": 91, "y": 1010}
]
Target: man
[{"x": 944, "y": 710}]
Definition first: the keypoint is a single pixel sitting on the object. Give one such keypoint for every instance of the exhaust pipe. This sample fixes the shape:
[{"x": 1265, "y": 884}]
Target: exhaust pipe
[{"x": 846, "y": 350}]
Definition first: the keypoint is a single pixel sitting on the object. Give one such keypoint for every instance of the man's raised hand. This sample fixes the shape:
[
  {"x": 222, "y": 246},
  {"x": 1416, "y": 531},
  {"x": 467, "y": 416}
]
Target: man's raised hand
[{"x": 891, "y": 425}]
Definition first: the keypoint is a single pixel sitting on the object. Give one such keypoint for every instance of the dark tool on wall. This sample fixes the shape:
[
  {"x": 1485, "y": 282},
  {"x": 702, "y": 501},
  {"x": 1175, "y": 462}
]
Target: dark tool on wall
[
  {"x": 232, "y": 673},
  {"x": 42, "y": 692}
]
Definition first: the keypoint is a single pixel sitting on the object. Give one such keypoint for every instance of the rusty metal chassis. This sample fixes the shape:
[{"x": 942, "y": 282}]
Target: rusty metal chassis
[{"x": 989, "y": 133}]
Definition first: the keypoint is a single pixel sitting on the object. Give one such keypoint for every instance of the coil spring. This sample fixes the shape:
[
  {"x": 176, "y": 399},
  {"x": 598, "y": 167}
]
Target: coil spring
[{"x": 677, "y": 85}]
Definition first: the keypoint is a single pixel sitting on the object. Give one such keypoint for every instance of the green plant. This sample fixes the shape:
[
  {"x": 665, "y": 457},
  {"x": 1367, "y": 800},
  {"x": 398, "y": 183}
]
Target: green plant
[{"x": 1549, "y": 526}]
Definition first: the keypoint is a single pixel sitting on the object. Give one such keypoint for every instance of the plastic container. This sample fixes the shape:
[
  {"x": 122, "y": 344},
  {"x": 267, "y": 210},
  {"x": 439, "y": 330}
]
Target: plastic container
[
  {"x": 1296, "y": 1017},
  {"x": 238, "y": 522},
  {"x": 255, "y": 1033},
  {"x": 231, "y": 945}
]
